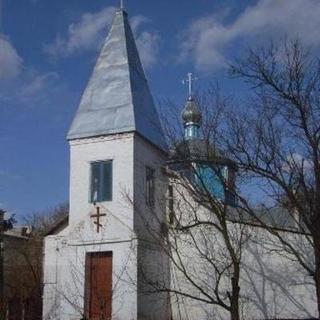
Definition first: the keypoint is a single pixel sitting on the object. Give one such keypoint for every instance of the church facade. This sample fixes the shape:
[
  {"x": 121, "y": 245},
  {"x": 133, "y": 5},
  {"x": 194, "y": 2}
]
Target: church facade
[
  {"x": 98, "y": 265},
  {"x": 116, "y": 153}
]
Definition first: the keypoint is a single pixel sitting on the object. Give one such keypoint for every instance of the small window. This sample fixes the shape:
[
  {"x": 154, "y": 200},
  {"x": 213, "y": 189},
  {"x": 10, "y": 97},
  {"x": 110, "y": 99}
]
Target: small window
[
  {"x": 170, "y": 204},
  {"x": 101, "y": 181},
  {"x": 150, "y": 186}
]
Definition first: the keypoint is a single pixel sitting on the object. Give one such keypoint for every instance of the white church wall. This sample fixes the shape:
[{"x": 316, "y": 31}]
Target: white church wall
[
  {"x": 50, "y": 265},
  {"x": 153, "y": 266},
  {"x": 145, "y": 217},
  {"x": 66, "y": 295},
  {"x": 66, "y": 251},
  {"x": 119, "y": 149},
  {"x": 271, "y": 287},
  {"x": 272, "y": 284}
]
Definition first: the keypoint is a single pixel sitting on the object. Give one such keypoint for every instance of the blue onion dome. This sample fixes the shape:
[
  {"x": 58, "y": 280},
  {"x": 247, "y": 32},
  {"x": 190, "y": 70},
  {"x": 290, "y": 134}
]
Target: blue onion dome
[{"x": 191, "y": 112}]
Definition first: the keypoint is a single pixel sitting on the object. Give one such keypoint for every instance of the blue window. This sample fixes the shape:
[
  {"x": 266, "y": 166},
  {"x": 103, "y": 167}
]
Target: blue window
[
  {"x": 211, "y": 180},
  {"x": 219, "y": 182},
  {"x": 101, "y": 181}
]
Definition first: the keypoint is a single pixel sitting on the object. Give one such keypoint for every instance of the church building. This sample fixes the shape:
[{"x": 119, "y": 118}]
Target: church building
[
  {"x": 117, "y": 149},
  {"x": 98, "y": 262}
]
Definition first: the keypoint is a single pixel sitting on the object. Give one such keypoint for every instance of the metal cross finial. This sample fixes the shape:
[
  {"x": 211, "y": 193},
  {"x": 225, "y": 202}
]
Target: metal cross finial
[{"x": 190, "y": 81}]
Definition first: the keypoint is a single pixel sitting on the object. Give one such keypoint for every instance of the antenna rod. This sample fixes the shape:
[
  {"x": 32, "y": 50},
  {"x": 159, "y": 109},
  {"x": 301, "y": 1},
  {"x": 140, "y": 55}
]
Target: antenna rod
[{"x": 121, "y": 4}]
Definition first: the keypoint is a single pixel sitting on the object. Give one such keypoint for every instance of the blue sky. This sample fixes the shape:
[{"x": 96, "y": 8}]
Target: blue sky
[{"x": 48, "y": 49}]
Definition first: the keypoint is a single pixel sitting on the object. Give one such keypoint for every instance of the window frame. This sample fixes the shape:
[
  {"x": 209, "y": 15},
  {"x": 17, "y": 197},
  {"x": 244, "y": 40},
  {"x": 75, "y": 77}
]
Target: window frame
[{"x": 101, "y": 173}]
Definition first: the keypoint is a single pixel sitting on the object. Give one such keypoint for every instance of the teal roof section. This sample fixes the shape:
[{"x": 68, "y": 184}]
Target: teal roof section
[{"x": 117, "y": 98}]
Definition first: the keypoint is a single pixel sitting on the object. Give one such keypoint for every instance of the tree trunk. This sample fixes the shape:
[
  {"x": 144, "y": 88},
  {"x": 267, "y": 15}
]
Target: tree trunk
[
  {"x": 234, "y": 312},
  {"x": 317, "y": 269}
]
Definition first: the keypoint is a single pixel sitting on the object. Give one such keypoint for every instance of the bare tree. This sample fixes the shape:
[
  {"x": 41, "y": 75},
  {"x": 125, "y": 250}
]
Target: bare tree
[
  {"x": 199, "y": 240},
  {"x": 23, "y": 254},
  {"x": 201, "y": 226},
  {"x": 23, "y": 276},
  {"x": 41, "y": 222},
  {"x": 275, "y": 142},
  {"x": 207, "y": 238}
]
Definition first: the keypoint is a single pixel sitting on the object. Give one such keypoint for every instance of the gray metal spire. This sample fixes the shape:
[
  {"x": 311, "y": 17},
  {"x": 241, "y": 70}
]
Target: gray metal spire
[{"x": 117, "y": 98}]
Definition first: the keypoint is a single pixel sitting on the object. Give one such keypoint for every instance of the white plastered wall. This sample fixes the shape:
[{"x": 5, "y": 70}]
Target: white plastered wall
[
  {"x": 65, "y": 253},
  {"x": 122, "y": 231},
  {"x": 272, "y": 284},
  {"x": 152, "y": 264}
]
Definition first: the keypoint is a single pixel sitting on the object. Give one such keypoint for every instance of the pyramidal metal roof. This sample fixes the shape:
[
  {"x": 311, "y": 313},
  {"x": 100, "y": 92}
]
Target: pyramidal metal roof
[{"x": 117, "y": 98}]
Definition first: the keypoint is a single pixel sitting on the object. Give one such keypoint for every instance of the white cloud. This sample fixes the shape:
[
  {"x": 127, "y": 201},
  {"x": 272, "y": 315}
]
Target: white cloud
[
  {"x": 84, "y": 35},
  {"x": 31, "y": 88},
  {"x": 89, "y": 32},
  {"x": 207, "y": 38},
  {"x": 38, "y": 83},
  {"x": 147, "y": 41},
  {"x": 137, "y": 21},
  {"x": 148, "y": 46},
  {"x": 10, "y": 61}
]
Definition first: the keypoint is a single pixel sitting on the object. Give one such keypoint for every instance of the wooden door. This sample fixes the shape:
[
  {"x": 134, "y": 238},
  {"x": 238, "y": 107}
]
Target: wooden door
[
  {"x": 15, "y": 309},
  {"x": 98, "y": 286}
]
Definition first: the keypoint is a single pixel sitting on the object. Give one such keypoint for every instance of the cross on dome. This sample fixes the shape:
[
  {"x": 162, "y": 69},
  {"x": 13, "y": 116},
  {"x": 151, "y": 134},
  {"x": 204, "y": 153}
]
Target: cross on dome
[
  {"x": 191, "y": 115},
  {"x": 190, "y": 79}
]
